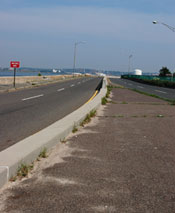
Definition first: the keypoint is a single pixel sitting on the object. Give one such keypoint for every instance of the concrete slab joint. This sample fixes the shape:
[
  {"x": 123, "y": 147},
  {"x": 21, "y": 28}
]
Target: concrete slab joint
[{"x": 27, "y": 150}]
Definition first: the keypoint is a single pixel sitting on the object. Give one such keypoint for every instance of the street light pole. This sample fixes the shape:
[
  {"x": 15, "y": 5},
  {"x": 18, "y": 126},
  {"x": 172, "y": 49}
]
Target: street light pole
[
  {"x": 169, "y": 27},
  {"x": 129, "y": 64},
  {"x": 75, "y": 51}
]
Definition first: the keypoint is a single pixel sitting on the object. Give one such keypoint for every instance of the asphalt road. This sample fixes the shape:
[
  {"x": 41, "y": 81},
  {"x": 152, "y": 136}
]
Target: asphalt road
[
  {"x": 159, "y": 91},
  {"x": 25, "y": 112}
]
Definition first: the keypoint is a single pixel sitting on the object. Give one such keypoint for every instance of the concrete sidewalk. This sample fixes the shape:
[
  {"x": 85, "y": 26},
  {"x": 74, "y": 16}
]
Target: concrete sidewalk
[{"x": 123, "y": 161}]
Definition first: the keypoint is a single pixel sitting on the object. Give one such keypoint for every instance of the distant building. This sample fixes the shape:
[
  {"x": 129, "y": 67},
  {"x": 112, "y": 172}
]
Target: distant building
[
  {"x": 101, "y": 74},
  {"x": 137, "y": 72}
]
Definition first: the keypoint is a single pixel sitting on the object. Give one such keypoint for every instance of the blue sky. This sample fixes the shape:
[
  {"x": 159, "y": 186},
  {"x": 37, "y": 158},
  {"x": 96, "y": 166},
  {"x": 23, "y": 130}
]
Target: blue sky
[{"x": 42, "y": 33}]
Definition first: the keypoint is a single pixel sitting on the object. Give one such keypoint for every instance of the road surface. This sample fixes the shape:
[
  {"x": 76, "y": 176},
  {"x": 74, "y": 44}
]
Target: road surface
[
  {"x": 25, "y": 112},
  {"x": 155, "y": 90}
]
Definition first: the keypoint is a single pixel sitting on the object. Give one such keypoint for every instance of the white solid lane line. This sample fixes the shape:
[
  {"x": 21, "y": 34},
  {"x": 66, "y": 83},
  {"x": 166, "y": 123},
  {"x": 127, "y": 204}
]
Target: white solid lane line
[
  {"x": 160, "y": 91},
  {"x": 72, "y": 85},
  {"x": 59, "y": 90},
  {"x": 37, "y": 96}
]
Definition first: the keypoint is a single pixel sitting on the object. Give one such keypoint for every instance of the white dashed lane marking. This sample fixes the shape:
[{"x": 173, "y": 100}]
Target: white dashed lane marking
[
  {"x": 32, "y": 97},
  {"x": 59, "y": 90}
]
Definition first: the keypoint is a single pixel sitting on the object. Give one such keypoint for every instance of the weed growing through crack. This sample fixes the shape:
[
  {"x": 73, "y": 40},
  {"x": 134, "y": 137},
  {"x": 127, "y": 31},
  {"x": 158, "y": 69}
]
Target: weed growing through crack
[
  {"x": 119, "y": 116},
  {"x": 23, "y": 170},
  {"x": 63, "y": 140},
  {"x": 86, "y": 120},
  {"x": 104, "y": 101},
  {"x": 92, "y": 113},
  {"x": 134, "y": 116},
  {"x": 160, "y": 116},
  {"x": 43, "y": 153},
  {"x": 109, "y": 88},
  {"x": 75, "y": 129},
  {"x": 88, "y": 117},
  {"x": 13, "y": 178}
]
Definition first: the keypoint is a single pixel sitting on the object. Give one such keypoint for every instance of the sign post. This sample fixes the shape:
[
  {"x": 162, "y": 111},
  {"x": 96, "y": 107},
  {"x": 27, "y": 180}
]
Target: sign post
[{"x": 14, "y": 64}]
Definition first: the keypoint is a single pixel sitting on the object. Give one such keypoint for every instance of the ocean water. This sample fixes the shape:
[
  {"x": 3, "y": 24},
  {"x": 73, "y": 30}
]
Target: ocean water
[{"x": 29, "y": 73}]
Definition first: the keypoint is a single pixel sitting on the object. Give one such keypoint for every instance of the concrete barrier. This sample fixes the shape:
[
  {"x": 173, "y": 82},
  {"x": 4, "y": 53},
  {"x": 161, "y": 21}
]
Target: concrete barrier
[{"x": 27, "y": 150}]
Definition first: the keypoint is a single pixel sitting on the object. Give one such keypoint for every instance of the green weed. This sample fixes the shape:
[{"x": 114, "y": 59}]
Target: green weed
[
  {"x": 119, "y": 116},
  {"x": 159, "y": 116},
  {"x": 43, "y": 153},
  {"x": 88, "y": 117},
  {"x": 104, "y": 101},
  {"x": 63, "y": 140},
  {"x": 75, "y": 129},
  {"x": 23, "y": 170}
]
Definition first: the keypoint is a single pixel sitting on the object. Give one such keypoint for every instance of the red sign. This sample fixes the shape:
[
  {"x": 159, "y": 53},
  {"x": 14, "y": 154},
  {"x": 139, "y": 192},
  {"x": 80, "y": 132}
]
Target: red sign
[{"x": 15, "y": 64}]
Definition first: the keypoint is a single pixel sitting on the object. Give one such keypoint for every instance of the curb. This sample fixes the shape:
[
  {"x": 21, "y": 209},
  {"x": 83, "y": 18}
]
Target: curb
[{"x": 29, "y": 148}]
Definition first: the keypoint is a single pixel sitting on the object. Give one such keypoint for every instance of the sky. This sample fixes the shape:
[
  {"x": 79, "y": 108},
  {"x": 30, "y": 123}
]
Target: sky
[{"x": 42, "y": 34}]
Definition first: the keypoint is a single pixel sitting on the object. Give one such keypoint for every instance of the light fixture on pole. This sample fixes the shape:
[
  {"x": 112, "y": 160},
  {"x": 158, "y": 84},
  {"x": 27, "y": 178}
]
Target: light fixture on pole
[
  {"x": 75, "y": 51},
  {"x": 129, "y": 64},
  {"x": 169, "y": 27},
  {"x": 166, "y": 25}
]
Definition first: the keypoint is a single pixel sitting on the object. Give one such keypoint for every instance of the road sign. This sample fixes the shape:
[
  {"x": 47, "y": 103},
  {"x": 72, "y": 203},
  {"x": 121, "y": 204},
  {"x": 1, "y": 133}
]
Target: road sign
[{"x": 15, "y": 64}]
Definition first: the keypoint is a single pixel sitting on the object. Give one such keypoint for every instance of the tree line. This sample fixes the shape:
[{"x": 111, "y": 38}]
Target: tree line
[{"x": 164, "y": 71}]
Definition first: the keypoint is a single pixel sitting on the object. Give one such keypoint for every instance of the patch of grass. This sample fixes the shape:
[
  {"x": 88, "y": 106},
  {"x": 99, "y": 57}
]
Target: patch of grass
[
  {"x": 13, "y": 178},
  {"x": 104, "y": 101},
  {"x": 88, "y": 117},
  {"x": 172, "y": 103},
  {"x": 112, "y": 102},
  {"x": 119, "y": 116},
  {"x": 63, "y": 140},
  {"x": 109, "y": 88},
  {"x": 23, "y": 170},
  {"x": 160, "y": 116},
  {"x": 86, "y": 120},
  {"x": 75, "y": 129},
  {"x": 43, "y": 153},
  {"x": 134, "y": 116},
  {"x": 92, "y": 113},
  {"x": 124, "y": 102},
  {"x": 107, "y": 94}
]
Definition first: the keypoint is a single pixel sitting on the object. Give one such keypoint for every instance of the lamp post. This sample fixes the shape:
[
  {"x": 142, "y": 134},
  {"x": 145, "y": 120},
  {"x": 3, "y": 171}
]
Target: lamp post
[
  {"x": 129, "y": 64},
  {"x": 75, "y": 51},
  {"x": 169, "y": 27},
  {"x": 166, "y": 25}
]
